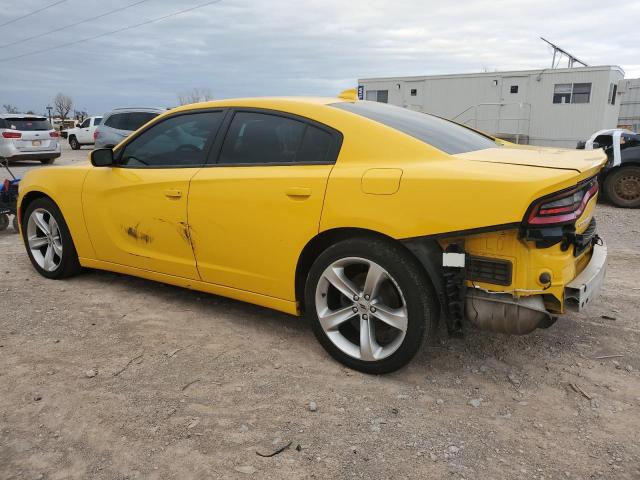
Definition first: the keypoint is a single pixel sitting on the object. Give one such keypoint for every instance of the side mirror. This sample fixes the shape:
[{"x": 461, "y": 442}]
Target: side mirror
[{"x": 101, "y": 157}]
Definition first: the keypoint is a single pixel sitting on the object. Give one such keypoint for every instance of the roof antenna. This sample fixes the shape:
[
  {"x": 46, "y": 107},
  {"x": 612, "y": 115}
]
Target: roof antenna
[{"x": 559, "y": 53}]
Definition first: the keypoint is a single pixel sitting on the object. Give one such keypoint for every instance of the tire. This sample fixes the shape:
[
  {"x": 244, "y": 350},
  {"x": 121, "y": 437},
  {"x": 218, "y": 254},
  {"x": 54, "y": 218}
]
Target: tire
[
  {"x": 4, "y": 221},
  {"x": 73, "y": 142},
  {"x": 15, "y": 224},
  {"x": 64, "y": 258},
  {"x": 404, "y": 296},
  {"x": 47, "y": 161},
  {"x": 622, "y": 187}
]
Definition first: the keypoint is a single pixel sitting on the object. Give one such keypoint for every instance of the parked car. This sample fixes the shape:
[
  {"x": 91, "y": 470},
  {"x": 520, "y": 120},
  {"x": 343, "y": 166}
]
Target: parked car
[
  {"x": 84, "y": 133},
  {"x": 119, "y": 123},
  {"x": 620, "y": 178},
  {"x": 28, "y": 137},
  {"x": 373, "y": 220}
]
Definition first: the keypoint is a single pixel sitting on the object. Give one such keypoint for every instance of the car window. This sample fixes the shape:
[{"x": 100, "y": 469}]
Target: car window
[
  {"x": 113, "y": 121},
  {"x": 134, "y": 120},
  {"x": 262, "y": 138},
  {"x": 97, "y": 121},
  {"x": 442, "y": 134},
  {"x": 177, "y": 141},
  {"x": 27, "y": 124},
  {"x": 86, "y": 123}
]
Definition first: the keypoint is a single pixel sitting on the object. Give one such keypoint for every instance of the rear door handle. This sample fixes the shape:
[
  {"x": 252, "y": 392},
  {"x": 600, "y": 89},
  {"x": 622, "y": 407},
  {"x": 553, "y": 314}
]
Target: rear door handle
[
  {"x": 173, "y": 193},
  {"x": 298, "y": 192}
]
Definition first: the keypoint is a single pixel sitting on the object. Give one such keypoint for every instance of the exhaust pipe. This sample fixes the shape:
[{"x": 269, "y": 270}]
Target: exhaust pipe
[{"x": 503, "y": 313}]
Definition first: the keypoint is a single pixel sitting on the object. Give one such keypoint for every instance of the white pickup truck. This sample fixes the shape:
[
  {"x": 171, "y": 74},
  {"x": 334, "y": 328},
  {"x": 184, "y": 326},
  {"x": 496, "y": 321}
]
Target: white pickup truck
[{"x": 83, "y": 133}]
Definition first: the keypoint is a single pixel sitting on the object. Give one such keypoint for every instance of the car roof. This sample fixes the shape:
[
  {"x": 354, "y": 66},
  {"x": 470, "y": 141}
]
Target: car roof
[
  {"x": 263, "y": 101},
  {"x": 137, "y": 109},
  {"x": 20, "y": 115}
]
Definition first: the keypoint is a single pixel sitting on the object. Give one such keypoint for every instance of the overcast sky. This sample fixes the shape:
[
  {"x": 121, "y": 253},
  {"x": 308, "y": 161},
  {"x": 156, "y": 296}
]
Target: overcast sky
[{"x": 290, "y": 47}]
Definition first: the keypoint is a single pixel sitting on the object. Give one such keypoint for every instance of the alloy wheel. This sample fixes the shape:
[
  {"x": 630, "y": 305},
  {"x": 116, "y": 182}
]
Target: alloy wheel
[
  {"x": 44, "y": 240},
  {"x": 361, "y": 309}
]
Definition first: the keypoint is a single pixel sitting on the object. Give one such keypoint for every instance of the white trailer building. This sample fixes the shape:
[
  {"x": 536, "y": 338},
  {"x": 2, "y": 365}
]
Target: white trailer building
[
  {"x": 552, "y": 107},
  {"x": 629, "y": 104}
]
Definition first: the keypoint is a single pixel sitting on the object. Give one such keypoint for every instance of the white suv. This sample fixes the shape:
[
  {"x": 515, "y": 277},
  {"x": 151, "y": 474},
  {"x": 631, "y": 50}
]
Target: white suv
[
  {"x": 83, "y": 134},
  {"x": 28, "y": 137}
]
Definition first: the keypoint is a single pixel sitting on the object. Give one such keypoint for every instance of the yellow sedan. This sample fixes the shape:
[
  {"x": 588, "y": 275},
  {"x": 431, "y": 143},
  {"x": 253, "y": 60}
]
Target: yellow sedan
[{"x": 374, "y": 221}]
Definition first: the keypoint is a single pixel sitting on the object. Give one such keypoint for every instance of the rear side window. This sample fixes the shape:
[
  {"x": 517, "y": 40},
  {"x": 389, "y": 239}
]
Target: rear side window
[
  {"x": 262, "y": 138},
  {"x": 442, "y": 134},
  {"x": 130, "y": 120},
  {"x": 27, "y": 124},
  {"x": 97, "y": 121}
]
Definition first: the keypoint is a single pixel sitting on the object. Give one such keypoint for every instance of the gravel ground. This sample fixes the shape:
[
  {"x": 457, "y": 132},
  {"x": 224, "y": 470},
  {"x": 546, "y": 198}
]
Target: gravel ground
[{"x": 105, "y": 376}]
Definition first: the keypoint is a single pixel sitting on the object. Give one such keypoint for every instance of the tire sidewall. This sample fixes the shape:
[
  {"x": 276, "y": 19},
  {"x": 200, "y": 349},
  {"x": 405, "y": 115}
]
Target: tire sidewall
[
  {"x": 70, "y": 264},
  {"x": 73, "y": 143},
  {"x": 409, "y": 278}
]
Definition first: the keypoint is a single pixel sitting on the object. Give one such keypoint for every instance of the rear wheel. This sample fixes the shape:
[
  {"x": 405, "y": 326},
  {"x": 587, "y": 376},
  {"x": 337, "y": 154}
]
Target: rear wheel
[
  {"x": 622, "y": 187},
  {"x": 4, "y": 221},
  {"x": 370, "y": 304},
  {"x": 73, "y": 142},
  {"x": 48, "y": 241},
  {"x": 15, "y": 224}
]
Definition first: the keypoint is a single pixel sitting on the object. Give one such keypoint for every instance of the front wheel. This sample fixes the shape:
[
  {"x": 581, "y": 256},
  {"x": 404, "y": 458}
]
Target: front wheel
[
  {"x": 370, "y": 304},
  {"x": 622, "y": 187},
  {"x": 48, "y": 240}
]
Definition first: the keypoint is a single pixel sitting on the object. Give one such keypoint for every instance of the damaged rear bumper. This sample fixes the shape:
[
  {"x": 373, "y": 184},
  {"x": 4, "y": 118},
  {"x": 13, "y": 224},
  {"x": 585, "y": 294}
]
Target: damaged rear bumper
[{"x": 586, "y": 286}]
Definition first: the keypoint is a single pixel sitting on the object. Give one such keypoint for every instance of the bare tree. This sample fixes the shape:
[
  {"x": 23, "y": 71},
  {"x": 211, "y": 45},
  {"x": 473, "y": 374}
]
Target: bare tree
[
  {"x": 195, "y": 95},
  {"x": 62, "y": 105},
  {"x": 10, "y": 108}
]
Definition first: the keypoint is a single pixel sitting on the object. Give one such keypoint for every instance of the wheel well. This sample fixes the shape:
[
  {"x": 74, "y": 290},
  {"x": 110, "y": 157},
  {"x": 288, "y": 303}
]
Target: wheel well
[
  {"x": 324, "y": 240},
  {"x": 30, "y": 197}
]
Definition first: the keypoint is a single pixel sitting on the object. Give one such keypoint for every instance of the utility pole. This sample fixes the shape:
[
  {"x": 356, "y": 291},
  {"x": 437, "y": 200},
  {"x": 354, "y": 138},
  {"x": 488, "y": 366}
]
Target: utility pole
[{"x": 49, "y": 108}]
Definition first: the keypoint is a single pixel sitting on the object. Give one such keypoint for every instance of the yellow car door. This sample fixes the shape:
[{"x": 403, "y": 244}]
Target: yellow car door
[
  {"x": 253, "y": 211},
  {"x": 136, "y": 210}
]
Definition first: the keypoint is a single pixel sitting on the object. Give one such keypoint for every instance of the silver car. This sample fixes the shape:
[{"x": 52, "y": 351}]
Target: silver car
[
  {"x": 28, "y": 137},
  {"x": 119, "y": 123}
]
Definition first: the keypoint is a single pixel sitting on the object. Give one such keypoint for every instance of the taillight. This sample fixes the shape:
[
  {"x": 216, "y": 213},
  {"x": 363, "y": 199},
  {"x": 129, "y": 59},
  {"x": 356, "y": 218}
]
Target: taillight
[
  {"x": 10, "y": 134},
  {"x": 95, "y": 135},
  {"x": 562, "y": 207},
  {"x": 54, "y": 134}
]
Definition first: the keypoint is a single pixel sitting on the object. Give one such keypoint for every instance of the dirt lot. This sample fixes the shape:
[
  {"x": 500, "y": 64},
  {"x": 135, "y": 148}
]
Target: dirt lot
[{"x": 111, "y": 377}]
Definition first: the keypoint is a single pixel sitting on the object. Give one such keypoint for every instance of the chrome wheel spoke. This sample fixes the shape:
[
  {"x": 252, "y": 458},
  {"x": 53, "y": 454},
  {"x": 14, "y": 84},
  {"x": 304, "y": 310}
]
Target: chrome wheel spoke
[
  {"x": 36, "y": 242},
  {"x": 368, "y": 345},
  {"x": 332, "y": 319},
  {"x": 40, "y": 222},
  {"x": 57, "y": 247},
  {"x": 375, "y": 276},
  {"x": 48, "y": 263},
  {"x": 394, "y": 317},
  {"x": 336, "y": 277}
]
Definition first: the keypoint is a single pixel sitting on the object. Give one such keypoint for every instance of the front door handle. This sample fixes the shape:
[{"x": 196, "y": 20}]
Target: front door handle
[
  {"x": 173, "y": 193},
  {"x": 298, "y": 192}
]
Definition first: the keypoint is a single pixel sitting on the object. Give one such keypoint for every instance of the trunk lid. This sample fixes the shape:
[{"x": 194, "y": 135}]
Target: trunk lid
[{"x": 585, "y": 162}]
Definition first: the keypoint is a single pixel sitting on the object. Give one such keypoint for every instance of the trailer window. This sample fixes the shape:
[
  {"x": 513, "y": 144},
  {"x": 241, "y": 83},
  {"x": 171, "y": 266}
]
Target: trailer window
[
  {"x": 381, "y": 96},
  {"x": 572, "y": 93}
]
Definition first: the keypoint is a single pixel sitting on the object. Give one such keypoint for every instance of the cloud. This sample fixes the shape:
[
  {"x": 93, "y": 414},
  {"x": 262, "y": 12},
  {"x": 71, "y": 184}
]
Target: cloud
[{"x": 286, "y": 47}]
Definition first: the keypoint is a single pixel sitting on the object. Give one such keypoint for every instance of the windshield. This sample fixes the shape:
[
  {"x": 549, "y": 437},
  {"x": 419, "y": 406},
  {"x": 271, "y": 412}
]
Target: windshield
[
  {"x": 442, "y": 134},
  {"x": 27, "y": 124}
]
